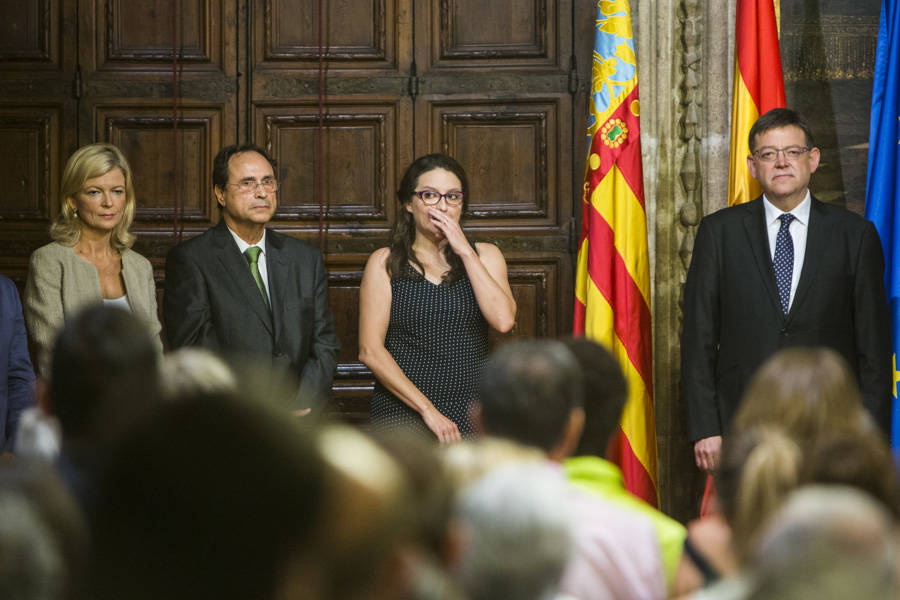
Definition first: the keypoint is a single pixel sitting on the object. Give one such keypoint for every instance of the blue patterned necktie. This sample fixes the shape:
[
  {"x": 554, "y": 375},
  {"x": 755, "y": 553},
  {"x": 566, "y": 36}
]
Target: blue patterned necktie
[
  {"x": 252, "y": 256},
  {"x": 784, "y": 260}
]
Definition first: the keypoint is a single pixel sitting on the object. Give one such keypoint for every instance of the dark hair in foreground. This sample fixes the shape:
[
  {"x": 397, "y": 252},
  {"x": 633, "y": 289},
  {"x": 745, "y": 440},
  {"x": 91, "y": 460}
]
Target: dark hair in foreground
[
  {"x": 605, "y": 394},
  {"x": 404, "y": 232},
  {"x": 212, "y": 497},
  {"x": 220, "y": 163},
  {"x": 775, "y": 119},
  {"x": 528, "y": 391},
  {"x": 103, "y": 375}
]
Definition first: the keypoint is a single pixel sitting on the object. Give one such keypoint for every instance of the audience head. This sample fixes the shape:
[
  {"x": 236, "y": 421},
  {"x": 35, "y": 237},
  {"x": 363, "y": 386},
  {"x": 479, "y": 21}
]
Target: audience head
[
  {"x": 807, "y": 391},
  {"x": 31, "y": 567},
  {"x": 531, "y": 392},
  {"x": 605, "y": 394},
  {"x": 91, "y": 162},
  {"x": 192, "y": 370},
  {"x": 429, "y": 485},
  {"x": 516, "y": 534},
  {"x": 759, "y": 468},
  {"x": 104, "y": 374},
  {"x": 471, "y": 460},
  {"x": 370, "y": 519},
  {"x": 827, "y": 543},
  {"x": 210, "y": 497},
  {"x": 863, "y": 462},
  {"x": 43, "y": 539}
]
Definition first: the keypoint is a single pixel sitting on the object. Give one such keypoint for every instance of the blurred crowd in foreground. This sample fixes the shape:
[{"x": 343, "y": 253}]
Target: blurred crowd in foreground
[{"x": 186, "y": 477}]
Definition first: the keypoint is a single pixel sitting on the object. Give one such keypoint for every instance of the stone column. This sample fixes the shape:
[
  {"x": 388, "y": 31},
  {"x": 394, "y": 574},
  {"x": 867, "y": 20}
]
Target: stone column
[{"x": 685, "y": 50}]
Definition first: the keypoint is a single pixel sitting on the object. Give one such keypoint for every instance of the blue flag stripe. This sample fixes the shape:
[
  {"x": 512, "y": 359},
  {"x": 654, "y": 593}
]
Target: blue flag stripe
[{"x": 882, "y": 183}]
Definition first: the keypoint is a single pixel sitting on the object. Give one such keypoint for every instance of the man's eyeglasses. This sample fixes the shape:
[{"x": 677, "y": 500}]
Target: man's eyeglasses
[
  {"x": 770, "y": 153},
  {"x": 430, "y": 197},
  {"x": 248, "y": 186}
]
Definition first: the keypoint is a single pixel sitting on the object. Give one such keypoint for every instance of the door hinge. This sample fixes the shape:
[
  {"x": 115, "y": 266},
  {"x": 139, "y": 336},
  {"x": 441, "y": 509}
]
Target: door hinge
[
  {"x": 413, "y": 82},
  {"x": 77, "y": 85},
  {"x": 574, "y": 235},
  {"x": 573, "y": 75}
]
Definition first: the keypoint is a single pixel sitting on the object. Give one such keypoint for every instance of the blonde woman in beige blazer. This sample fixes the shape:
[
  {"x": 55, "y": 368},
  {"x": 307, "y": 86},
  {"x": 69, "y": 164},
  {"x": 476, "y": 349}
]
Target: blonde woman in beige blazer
[{"x": 90, "y": 259}]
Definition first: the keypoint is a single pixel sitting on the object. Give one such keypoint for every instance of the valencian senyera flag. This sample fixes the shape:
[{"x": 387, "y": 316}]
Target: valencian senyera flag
[
  {"x": 882, "y": 181},
  {"x": 758, "y": 87},
  {"x": 612, "y": 286}
]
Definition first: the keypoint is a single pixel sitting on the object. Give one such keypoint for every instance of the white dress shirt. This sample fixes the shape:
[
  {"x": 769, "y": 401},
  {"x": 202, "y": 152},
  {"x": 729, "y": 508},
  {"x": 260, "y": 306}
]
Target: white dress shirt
[{"x": 798, "y": 229}]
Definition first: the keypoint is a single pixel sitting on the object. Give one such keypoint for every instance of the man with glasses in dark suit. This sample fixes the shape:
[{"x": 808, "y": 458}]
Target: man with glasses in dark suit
[
  {"x": 782, "y": 270},
  {"x": 250, "y": 292}
]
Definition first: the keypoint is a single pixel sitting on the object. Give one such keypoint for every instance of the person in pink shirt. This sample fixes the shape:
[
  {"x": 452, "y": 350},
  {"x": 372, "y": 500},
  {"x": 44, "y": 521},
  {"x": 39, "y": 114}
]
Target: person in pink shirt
[{"x": 531, "y": 393}]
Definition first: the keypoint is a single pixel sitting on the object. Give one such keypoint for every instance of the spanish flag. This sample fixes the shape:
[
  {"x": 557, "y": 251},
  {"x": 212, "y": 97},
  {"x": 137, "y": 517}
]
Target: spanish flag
[
  {"x": 758, "y": 87},
  {"x": 612, "y": 285}
]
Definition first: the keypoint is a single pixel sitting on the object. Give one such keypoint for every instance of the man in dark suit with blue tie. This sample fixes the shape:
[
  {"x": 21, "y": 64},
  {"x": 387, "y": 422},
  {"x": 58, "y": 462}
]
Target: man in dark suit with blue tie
[
  {"x": 243, "y": 290},
  {"x": 782, "y": 270},
  {"x": 17, "y": 387}
]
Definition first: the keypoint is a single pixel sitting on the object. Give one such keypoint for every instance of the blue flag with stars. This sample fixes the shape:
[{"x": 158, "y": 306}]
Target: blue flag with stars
[{"x": 882, "y": 182}]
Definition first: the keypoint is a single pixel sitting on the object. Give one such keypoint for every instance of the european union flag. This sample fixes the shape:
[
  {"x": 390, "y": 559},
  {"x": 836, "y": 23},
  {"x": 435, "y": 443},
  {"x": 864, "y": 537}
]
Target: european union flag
[{"x": 882, "y": 183}]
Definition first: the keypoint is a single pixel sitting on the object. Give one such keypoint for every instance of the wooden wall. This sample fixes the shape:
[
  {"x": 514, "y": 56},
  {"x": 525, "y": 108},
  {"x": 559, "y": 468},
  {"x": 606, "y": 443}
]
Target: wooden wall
[{"x": 172, "y": 81}]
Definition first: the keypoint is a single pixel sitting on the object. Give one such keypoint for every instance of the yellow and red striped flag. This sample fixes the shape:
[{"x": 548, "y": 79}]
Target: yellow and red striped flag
[
  {"x": 758, "y": 87},
  {"x": 612, "y": 284}
]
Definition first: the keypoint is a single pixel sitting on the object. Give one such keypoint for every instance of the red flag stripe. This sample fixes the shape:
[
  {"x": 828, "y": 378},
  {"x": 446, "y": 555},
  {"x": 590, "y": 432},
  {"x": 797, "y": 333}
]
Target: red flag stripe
[
  {"x": 758, "y": 56},
  {"x": 639, "y": 481},
  {"x": 632, "y": 315}
]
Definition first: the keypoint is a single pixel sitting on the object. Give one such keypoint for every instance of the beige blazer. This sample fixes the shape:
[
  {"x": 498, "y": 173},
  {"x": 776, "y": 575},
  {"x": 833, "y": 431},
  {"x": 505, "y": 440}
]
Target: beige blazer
[{"x": 60, "y": 283}]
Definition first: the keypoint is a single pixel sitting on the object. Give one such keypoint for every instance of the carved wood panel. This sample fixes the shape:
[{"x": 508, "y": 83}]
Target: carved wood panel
[
  {"x": 359, "y": 166},
  {"x": 28, "y": 147},
  {"x": 146, "y": 136},
  {"x": 511, "y": 154},
  {"x": 472, "y": 33},
  {"x": 29, "y": 34},
  {"x": 37, "y": 108},
  {"x": 287, "y": 33},
  {"x": 140, "y": 36}
]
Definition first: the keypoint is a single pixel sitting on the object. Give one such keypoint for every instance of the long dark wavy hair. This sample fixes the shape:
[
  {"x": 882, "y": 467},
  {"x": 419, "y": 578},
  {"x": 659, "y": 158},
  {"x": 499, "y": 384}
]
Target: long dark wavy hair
[{"x": 404, "y": 232}]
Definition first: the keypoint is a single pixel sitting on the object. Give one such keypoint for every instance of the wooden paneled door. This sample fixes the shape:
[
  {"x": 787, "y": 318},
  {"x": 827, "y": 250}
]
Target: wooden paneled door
[{"x": 344, "y": 99}]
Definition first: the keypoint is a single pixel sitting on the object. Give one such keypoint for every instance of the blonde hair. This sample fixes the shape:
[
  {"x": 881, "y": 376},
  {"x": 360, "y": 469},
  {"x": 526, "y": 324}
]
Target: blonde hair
[
  {"x": 88, "y": 162},
  {"x": 807, "y": 391},
  {"x": 759, "y": 468}
]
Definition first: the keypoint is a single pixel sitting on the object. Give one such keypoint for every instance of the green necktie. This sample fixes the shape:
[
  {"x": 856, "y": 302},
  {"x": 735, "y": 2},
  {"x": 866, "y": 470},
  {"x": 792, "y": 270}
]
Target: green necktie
[{"x": 252, "y": 256}]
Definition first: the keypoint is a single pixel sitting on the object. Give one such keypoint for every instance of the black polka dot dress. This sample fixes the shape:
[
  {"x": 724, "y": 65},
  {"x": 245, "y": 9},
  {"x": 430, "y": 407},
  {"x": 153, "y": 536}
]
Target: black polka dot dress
[{"x": 439, "y": 337}]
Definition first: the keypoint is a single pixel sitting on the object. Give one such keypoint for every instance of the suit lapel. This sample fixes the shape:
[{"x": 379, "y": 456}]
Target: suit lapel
[
  {"x": 755, "y": 228},
  {"x": 816, "y": 245},
  {"x": 278, "y": 271},
  {"x": 238, "y": 271}
]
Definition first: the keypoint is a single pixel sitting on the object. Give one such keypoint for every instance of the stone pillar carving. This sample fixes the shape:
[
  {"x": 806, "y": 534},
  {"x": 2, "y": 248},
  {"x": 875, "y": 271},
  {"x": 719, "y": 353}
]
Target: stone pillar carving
[{"x": 685, "y": 51}]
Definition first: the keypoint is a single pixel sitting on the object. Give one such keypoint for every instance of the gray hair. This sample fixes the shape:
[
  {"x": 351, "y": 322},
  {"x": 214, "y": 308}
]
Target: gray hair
[
  {"x": 827, "y": 542},
  {"x": 31, "y": 565},
  {"x": 517, "y": 534}
]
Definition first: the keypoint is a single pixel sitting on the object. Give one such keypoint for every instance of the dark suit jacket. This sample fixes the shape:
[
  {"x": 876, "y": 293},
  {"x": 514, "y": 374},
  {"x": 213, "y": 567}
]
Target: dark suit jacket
[
  {"x": 733, "y": 319},
  {"x": 17, "y": 386},
  {"x": 212, "y": 301}
]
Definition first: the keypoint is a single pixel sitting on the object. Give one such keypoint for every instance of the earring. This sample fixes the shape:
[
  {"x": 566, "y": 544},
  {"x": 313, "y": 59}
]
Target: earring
[{"x": 75, "y": 212}]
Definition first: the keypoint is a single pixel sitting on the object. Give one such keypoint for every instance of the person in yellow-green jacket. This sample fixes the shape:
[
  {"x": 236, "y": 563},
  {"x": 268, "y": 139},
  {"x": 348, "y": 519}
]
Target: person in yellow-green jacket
[{"x": 605, "y": 392}]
